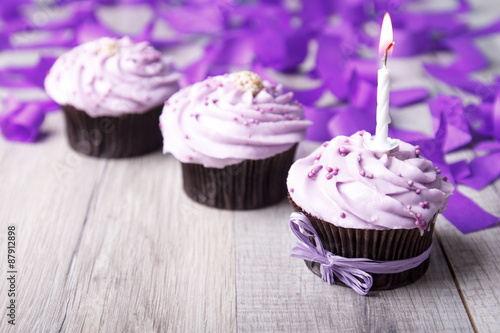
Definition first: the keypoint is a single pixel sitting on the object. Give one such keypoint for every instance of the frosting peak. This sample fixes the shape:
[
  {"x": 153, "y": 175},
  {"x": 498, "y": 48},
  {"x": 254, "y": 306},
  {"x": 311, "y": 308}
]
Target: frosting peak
[
  {"x": 111, "y": 77},
  {"x": 216, "y": 123},
  {"x": 350, "y": 186}
]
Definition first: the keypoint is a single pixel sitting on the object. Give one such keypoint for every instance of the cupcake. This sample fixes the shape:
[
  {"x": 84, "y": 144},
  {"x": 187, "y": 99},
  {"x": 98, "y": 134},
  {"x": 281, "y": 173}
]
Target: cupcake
[
  {"x": 366, "y": 205},
  {"x": 112, "y": 92},
  {"x": 235, "y": 136}
]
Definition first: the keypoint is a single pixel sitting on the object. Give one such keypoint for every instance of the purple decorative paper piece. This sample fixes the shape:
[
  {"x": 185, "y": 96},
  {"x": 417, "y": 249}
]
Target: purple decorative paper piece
[
  {"x": 400, "y": 98},
  {"x": 460, "y": 170},
  {"x": 488, "y": 145},
  {"x": 318, "y": 131},
  {"x": 353, "y": 272},
  {"x": 466, "y": 215},
  {"x": 21, "y": 121},
  {"x": 469, "y": 56},
  {"x": 483, "y": 170},
  {"x": 457, "y": 131}
]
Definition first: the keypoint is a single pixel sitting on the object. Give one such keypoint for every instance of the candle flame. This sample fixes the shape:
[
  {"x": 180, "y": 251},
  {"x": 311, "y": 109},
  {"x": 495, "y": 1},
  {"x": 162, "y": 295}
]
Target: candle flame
[{"x": 385, "y": 36}]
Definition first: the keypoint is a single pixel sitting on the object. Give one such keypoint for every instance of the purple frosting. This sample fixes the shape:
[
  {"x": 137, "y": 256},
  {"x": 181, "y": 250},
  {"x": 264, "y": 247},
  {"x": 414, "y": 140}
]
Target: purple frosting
[
  {"x": 111, "y": 77},
  {"x": 217, "y": 122},
  {"x": 344, "y": 183}
]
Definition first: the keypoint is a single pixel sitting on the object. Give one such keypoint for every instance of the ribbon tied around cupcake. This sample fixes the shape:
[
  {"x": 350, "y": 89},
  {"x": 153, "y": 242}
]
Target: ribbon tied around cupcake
[{"x": 353, "y": 272}]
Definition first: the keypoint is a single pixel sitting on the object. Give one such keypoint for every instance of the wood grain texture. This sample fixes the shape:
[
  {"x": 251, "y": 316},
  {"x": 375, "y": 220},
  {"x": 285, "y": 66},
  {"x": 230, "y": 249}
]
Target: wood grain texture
[
  {"x": 150, "y": 259},
  {"x": 110, "y": 246},
  {"x": 475, "y": 262},
  {"x": 46, "y": 190},
  {"x": 278, "y": 293}
]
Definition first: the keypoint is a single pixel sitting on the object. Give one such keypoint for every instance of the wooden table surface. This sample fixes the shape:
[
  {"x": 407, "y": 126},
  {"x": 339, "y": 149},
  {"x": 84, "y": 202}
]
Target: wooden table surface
[{"x": 116, "y": 246}]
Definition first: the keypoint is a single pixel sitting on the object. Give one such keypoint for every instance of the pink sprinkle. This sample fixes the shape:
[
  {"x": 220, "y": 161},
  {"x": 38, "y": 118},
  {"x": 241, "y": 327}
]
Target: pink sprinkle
[
  {"x": 410, "y": 182},
  {"x": 408, "y": 207},
  {"x": 160, "y": 125},
  {"x": 328, "y": 176},
  {"x": 438, "y": 171},
  {"x": 256, "y": 122},
  {"x": 187, "y": 136},
  {"x": 336, "y": 169},
  {"x": 310, "y": 175},
  {"x": 249, "y": 136},
  {"x": 257, "y": 108},
  {"x": 325, "y": 144},
  {"x": 206, "y": 103},
  {"x": 370, "y": 175},
  {"x": 235, "y": 119},
  {"x": 342, "y": 215},
  {"x": 362, "y": 173},
  {"x": 418, "y": 191},
  {"x": 423, "y": 224},
  {"x": 361, "y": 133},
  {"x": 335, "y": 172},
  {"x": 262, "y": 111},
  {"x": 418, "y": 215},
  {"x": 417, "y": 152},
  {"x": 346, "y": 140},
  {"x": 245, "y": 123},
  {"x": 400, "y": 175},
  {"x": 424, "y": 204},
  {"x": 417, "y": 147},
  {"x": 342, "y": 150},
  {"x": 417, "y": 222},
  {"x": 445, "y": 179},
  {"x": 318, "y": 156},
  {"x": 270, "y": 108},
  {"x": 316, "y": 168},
  {"x": 190, "y": 158},
  {"x": 329, "y": 169}
]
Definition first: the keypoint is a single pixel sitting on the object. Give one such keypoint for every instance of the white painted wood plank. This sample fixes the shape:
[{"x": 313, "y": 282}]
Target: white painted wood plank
[
  {"x": 475, "y": 261},
  {"x": 45, "y": 190},
  {"x": 278, "y": 293},
  {"x": 150, "y": 259}
]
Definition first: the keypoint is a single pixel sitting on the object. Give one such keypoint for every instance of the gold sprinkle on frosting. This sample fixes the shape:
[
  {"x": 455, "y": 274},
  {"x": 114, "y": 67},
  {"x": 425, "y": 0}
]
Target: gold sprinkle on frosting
[
  {"x": 248, "y": 81},
  {"x": 108, "y": 47}
]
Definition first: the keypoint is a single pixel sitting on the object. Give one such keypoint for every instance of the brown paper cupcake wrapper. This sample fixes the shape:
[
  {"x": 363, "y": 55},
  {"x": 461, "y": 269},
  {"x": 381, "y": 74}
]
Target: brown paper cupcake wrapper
[
  {"x": 250, "y": 184},
  {"x": 393, "y": 244},
  {"x": 113, "y": 137}
]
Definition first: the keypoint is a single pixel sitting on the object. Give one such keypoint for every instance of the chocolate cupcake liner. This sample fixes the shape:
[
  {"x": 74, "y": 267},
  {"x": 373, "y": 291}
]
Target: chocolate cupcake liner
[
  {"x": 384, "y": 245},
  {"x": 113, "y": 137},
  {"x": 250, "y": 184}
]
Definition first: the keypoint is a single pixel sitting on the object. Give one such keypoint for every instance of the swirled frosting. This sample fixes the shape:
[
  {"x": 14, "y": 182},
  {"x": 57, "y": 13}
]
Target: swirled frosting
[
  {"x": 350, "y": 186},
  {"x": 227, "y": 119},
  {"x": 111, "y": 77}
]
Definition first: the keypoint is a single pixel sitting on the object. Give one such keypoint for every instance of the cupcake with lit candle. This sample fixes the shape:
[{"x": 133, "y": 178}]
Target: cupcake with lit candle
[
  {"x": 364, "y": 204},
  {"x": 112, "y": 92},
  {"x": 235, "y": 136}
]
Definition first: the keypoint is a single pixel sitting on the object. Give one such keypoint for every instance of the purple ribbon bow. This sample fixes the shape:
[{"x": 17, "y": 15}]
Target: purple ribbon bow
[{"x": 351, "y": 271}]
